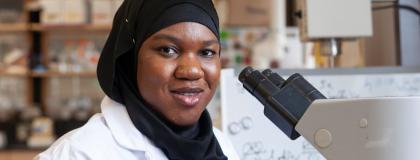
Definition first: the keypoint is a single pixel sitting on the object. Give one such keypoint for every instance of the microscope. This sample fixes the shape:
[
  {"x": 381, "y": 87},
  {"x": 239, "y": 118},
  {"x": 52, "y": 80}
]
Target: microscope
[
  {"x": 385, "y": 128},
  {"x": 345, "y": 129}
]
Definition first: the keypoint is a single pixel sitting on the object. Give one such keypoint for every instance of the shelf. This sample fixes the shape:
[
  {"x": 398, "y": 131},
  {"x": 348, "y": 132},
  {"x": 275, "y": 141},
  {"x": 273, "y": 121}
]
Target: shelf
[
  {"x": 6, "y": 74},
  {"x": 21, "y": 27},
  {"x": 13, "y": 27},
  {"x": 18, "y": 154},
  {"x": 81, "y": 27},
  {"x": 64, "y": 75}
]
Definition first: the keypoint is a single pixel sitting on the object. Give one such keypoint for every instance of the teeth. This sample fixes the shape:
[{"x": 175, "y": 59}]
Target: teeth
[{"x": 188, "y": 94}]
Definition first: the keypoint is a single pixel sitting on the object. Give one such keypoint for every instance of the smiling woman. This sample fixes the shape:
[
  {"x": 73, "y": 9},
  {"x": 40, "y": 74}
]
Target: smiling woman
[
  {"x": 187, "y": 81},
  {"x": 159, "y": 69}
]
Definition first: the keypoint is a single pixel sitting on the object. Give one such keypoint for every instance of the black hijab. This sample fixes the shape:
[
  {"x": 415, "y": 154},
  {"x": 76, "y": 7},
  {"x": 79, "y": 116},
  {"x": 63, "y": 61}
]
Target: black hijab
[{"x": 134, "y": 22}]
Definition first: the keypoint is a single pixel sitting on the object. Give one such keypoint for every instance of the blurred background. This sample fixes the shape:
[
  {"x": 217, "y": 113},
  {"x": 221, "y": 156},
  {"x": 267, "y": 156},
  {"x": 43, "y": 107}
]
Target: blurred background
[{"x": 49, "y": 50}]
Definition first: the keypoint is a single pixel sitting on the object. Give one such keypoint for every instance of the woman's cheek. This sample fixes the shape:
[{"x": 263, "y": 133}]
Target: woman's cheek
[
  {"x": 159, "y": 69},
  {"x": 212, "y": 71}
]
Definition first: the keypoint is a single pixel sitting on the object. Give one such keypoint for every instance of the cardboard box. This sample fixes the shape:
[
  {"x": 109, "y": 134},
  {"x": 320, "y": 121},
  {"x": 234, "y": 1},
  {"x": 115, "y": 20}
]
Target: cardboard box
[
  {"x": 52, "y": 11},
  {"x": 102, "y": 11},
  {"x": 75, "y": 12},
  {"x": 249, "y": 12}
]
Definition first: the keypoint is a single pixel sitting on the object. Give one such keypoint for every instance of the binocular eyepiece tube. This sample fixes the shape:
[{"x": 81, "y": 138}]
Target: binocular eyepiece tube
[{"x": 285, "y": 101}]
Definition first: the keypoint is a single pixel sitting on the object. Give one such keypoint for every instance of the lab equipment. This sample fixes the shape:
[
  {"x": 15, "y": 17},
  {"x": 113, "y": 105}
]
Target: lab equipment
[
  {"x": 332, "y": 21},
  {"x": 285, "y": 101},
  {"x": 370, "y": 128}
]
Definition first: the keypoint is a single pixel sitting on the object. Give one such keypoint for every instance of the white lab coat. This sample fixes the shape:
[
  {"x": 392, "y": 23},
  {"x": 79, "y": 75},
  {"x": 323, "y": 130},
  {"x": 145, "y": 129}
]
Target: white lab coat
[{"x": 111, "y": 135}]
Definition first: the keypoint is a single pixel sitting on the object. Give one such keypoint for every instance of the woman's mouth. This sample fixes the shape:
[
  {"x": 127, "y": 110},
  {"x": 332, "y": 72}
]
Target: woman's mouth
[{"x": 187, "y": 96}]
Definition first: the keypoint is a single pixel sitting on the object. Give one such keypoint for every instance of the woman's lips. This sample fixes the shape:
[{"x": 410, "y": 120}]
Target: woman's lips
[{"x": 187, "y": 96}]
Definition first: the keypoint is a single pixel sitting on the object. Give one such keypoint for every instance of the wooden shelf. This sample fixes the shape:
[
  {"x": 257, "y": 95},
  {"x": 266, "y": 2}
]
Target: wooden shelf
[
  {"x": 18, "y": 154},
  {"x": 81, "y": 27},
  {"x": 21, "y": 27},
  {"x": 13, "y": 27},
  {"x": 64, "y": 75},
  {"x": 6, "y": 74}
]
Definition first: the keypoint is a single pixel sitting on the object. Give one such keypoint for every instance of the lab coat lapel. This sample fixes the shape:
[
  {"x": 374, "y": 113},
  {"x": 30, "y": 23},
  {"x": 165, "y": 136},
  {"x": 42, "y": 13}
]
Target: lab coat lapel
[{"x": 121, "y": 126}]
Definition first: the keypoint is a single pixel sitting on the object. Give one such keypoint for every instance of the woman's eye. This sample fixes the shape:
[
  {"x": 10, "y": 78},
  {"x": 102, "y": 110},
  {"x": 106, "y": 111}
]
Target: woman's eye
[
  {"x": 168, "y": 51},
  {"x": 208, "y": 53}
]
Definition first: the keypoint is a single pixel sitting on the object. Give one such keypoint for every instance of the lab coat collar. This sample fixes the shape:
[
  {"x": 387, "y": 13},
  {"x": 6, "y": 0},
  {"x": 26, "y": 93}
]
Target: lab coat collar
[{"x": 121, "y": 126}]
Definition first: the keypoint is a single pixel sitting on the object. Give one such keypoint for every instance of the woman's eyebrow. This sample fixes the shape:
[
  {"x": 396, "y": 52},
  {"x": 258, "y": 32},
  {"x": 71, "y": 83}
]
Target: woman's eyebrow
[
  {"x": 210, "y": 42},
  {"x": 178, "y": 41},
  {"x": 167, "y": 37}
]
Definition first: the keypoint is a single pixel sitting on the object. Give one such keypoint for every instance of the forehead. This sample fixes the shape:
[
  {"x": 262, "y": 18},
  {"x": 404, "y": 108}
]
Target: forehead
[{"x": 188, "y": 31}]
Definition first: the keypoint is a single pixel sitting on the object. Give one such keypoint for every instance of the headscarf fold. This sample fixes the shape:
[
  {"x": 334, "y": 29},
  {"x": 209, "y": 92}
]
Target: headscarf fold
[{"x": 134, "y": 22}]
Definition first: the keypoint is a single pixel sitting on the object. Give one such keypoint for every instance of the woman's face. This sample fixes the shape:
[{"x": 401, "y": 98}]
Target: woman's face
[{"x": 178, "y": 71}]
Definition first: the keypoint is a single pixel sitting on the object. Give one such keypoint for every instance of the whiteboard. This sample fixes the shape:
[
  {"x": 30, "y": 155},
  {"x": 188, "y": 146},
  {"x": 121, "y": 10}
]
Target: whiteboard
[{"x": 256, "y": 138}]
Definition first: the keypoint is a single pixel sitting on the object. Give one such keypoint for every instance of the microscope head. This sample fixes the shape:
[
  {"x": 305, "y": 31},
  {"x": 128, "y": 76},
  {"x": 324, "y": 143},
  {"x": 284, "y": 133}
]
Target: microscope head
[{"x": 285, "y": 101}]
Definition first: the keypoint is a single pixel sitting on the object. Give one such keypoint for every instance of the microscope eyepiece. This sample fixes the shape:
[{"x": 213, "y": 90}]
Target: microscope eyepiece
[
  {"x": 257, "y": 84},
  {"x": 307, "y": 89},
  {"x": 273, "y": 77},
  {"x": 246, "y": 72},
  {"x": 285, "y": 101}
]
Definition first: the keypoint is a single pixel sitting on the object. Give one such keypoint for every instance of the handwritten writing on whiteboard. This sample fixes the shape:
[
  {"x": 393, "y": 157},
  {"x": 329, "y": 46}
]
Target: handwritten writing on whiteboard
[
  {"x": 354, "y": 86},
  {"x": 256, "y": 138}
]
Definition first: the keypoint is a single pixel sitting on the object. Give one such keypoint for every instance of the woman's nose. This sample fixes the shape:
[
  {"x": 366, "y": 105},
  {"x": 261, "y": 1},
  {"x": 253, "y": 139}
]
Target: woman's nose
[{"x": 189, "y": 68}]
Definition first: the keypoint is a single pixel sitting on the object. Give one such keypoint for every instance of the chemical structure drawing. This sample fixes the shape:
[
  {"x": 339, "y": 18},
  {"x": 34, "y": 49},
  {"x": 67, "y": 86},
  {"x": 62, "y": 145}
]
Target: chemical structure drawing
[
  {"x": 257, "y": 151},
  {"x": 243, "y": 124}
]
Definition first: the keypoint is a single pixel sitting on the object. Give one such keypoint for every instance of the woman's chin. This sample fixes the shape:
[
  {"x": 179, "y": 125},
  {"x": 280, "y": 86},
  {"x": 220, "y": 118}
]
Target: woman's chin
[
  {"x": 185, "y": 120},
  {"x": 188, "y": 115}
]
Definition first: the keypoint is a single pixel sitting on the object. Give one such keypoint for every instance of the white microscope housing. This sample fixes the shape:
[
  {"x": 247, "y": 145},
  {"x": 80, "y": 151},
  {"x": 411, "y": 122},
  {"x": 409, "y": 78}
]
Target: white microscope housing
[{"x": 363, "y": 129}]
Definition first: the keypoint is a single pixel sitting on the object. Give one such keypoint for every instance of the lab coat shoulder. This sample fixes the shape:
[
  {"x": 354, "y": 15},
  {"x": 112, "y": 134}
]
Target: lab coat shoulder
[
  {"x": 111, "y": 135},
  {"x": 88, "y": 142},
  {"x": 62, "y": 149}
]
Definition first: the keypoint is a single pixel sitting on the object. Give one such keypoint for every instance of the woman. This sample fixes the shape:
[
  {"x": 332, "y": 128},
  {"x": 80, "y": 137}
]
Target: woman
[{"x": 159, "y": 69}]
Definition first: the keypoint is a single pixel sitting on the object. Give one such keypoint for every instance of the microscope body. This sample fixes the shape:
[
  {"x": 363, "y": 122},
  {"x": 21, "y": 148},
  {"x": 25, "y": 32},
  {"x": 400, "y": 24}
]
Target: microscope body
[{"x": 363, "y": 129}]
